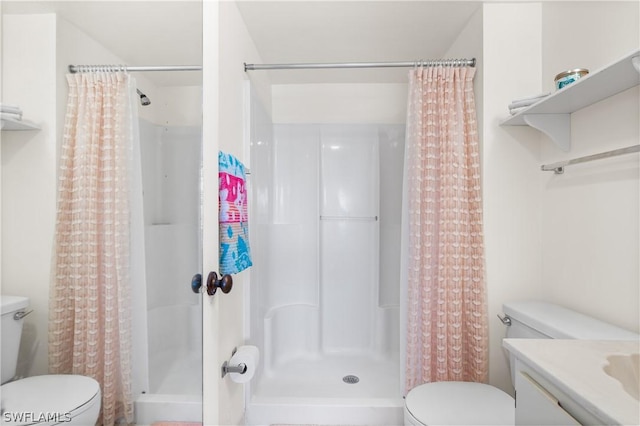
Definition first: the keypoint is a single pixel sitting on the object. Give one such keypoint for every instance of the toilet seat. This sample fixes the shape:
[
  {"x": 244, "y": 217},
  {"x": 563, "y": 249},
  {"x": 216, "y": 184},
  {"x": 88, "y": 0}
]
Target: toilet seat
[
  {"x": 459, "y": 403},
  {"x": 63, "y": 395}
]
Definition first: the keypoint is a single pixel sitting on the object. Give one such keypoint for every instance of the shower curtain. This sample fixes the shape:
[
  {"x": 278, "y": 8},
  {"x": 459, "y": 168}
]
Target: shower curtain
[
  {"x": 446, "y": 334},
  {"x": 90, "y": 313}
]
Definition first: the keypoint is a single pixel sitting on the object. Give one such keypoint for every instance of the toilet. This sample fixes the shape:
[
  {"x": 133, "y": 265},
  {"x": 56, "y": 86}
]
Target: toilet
[
  {"x": 467, "y": 403},
  {"x": 41, "y": 400}
]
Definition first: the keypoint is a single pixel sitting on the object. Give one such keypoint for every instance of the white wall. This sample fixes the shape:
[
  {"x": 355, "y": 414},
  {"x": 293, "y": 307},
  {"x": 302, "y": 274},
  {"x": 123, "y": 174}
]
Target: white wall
[
  {"x": 339, "y": 103},
  {"x": 604, "y": 32},
  {"x": 512, "y": 61},
  {"x": 29, "y": 175},
  {"x": 235, "y": 48},
  {"x": 570, "y": 239},
  {"x": 174, "y": 106},
  {"x": 73, "y": 46},
  {"x": 469, "y": 44},
  {"x": 590, "y": 233}
]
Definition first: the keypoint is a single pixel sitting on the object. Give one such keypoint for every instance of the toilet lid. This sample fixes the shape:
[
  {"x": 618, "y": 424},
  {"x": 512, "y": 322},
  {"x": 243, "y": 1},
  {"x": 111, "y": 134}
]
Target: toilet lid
[
  {"x": 62, "y": 394},
  {"x": 460, "y": 403}
]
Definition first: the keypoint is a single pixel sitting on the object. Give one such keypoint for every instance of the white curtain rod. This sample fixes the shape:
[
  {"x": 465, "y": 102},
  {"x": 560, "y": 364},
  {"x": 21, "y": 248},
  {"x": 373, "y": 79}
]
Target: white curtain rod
[
  {"x": 110, "y": 68},
  {"x": 424, "y": 63}
]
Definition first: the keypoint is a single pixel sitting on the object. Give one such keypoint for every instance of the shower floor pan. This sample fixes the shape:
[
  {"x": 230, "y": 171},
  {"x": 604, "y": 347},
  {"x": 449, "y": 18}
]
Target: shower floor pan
[
  {"x": 176, "y": 390},
  {"x": 325, "y": 391},
  {"x": 151, "y": 408}
]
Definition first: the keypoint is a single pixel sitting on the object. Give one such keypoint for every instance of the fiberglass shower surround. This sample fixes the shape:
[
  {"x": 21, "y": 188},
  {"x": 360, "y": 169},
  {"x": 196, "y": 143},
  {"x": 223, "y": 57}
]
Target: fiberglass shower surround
[
  {"x": 326, "y": 233},
  {"x": 169, "y": 348}
]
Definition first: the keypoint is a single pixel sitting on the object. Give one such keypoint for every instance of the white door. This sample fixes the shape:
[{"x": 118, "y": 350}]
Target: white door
[{"x": 210, "y": 332}]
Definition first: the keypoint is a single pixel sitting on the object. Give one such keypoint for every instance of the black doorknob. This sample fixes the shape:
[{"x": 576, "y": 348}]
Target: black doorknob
[
  {"x": 213, "y": 283},
  {"x": 196, "y": 283}
]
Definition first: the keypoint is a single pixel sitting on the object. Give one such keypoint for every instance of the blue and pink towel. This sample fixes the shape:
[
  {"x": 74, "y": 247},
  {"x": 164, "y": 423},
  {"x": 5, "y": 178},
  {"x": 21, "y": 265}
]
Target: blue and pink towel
[{"x": 235, "y": 255}]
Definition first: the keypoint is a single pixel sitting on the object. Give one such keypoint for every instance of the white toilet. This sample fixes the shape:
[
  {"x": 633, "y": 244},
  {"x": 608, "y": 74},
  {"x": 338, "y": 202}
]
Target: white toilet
[
  {"x": 465, "y": 403},
  {"x": 41, "y": 400}
]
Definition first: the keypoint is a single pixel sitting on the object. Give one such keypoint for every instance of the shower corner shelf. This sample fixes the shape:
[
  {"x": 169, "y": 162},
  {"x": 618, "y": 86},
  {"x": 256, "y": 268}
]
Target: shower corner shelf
[
  {"x": 10, "y": 124},
  {"x": 552, "y": 115}
]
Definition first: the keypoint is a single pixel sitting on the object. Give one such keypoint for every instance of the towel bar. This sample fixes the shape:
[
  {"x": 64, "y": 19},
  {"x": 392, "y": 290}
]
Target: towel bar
[{"x": 558, "y": 168}]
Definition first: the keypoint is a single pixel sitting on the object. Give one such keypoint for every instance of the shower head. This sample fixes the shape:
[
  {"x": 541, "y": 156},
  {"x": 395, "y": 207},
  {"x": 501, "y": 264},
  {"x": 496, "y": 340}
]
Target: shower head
[{"x": 144, "y": 100}]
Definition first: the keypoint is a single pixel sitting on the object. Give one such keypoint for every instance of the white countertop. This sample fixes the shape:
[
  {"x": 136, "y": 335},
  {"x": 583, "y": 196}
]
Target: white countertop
[{"x": 576, "y": 368}]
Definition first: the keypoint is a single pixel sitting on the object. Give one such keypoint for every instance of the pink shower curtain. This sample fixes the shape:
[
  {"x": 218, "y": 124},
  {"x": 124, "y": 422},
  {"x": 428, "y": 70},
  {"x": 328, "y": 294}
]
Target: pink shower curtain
[
  {"x": 90, "y": 313},
  {"x": 447, "y": 337}
]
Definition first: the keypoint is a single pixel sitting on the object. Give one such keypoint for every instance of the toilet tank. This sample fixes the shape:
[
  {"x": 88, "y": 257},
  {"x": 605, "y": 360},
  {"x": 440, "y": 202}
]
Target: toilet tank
[
  {"x": 11, "y": 333},
  {"x": 541, "y": 320}
]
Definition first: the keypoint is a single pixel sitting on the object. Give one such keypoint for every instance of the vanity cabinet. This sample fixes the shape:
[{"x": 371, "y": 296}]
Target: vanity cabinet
[
  {"x": 540, "y": 403},
  {"x": 564, "y": 382},
  {"x": 535, "y": 405}
]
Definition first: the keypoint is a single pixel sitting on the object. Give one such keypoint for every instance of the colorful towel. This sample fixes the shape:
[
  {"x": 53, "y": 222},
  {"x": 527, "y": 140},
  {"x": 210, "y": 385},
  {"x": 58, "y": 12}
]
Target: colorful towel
[{"x": 235, "y": 255}]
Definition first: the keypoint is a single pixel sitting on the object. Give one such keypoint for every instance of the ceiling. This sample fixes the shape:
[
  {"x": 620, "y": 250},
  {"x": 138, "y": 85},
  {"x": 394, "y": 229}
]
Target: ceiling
[
  {"x": 141, "y": 33},
  {"x": 170, "y": 33},
  {"x": 352, "y": 31}
]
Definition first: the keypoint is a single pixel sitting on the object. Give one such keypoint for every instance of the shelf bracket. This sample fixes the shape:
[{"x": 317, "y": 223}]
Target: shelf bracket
[{"x": 556, "y": 126}]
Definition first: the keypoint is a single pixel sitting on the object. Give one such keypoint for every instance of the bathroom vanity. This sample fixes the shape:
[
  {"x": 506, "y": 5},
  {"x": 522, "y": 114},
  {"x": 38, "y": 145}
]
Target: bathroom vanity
[{"x": 571, "y": 382}]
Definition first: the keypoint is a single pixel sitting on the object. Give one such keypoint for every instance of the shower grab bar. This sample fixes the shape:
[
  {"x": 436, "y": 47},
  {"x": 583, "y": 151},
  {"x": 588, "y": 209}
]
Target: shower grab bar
[
  {"x": 355, "y": 218},
  {"x": 558, "y": 168}
]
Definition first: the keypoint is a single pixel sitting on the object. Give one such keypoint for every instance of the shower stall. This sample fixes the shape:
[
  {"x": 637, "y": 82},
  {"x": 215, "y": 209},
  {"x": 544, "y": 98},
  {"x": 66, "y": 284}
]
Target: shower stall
[
  {"x": 167, "y": 369},
  {"x": 324, "y": 289}
]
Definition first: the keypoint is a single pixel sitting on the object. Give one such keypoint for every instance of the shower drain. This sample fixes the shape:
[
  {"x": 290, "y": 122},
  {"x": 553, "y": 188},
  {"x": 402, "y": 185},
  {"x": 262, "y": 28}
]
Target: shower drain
[{"x": 351, "y": 379}]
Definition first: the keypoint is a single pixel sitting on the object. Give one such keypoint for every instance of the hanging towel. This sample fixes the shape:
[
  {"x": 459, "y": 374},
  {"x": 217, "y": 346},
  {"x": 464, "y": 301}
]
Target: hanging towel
[{"x": 235, "y": 255}]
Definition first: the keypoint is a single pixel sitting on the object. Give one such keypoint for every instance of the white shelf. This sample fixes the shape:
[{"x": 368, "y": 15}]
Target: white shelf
[
  {"x": 552, "y": 115},
  {"x": 10, "y": 124}
]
